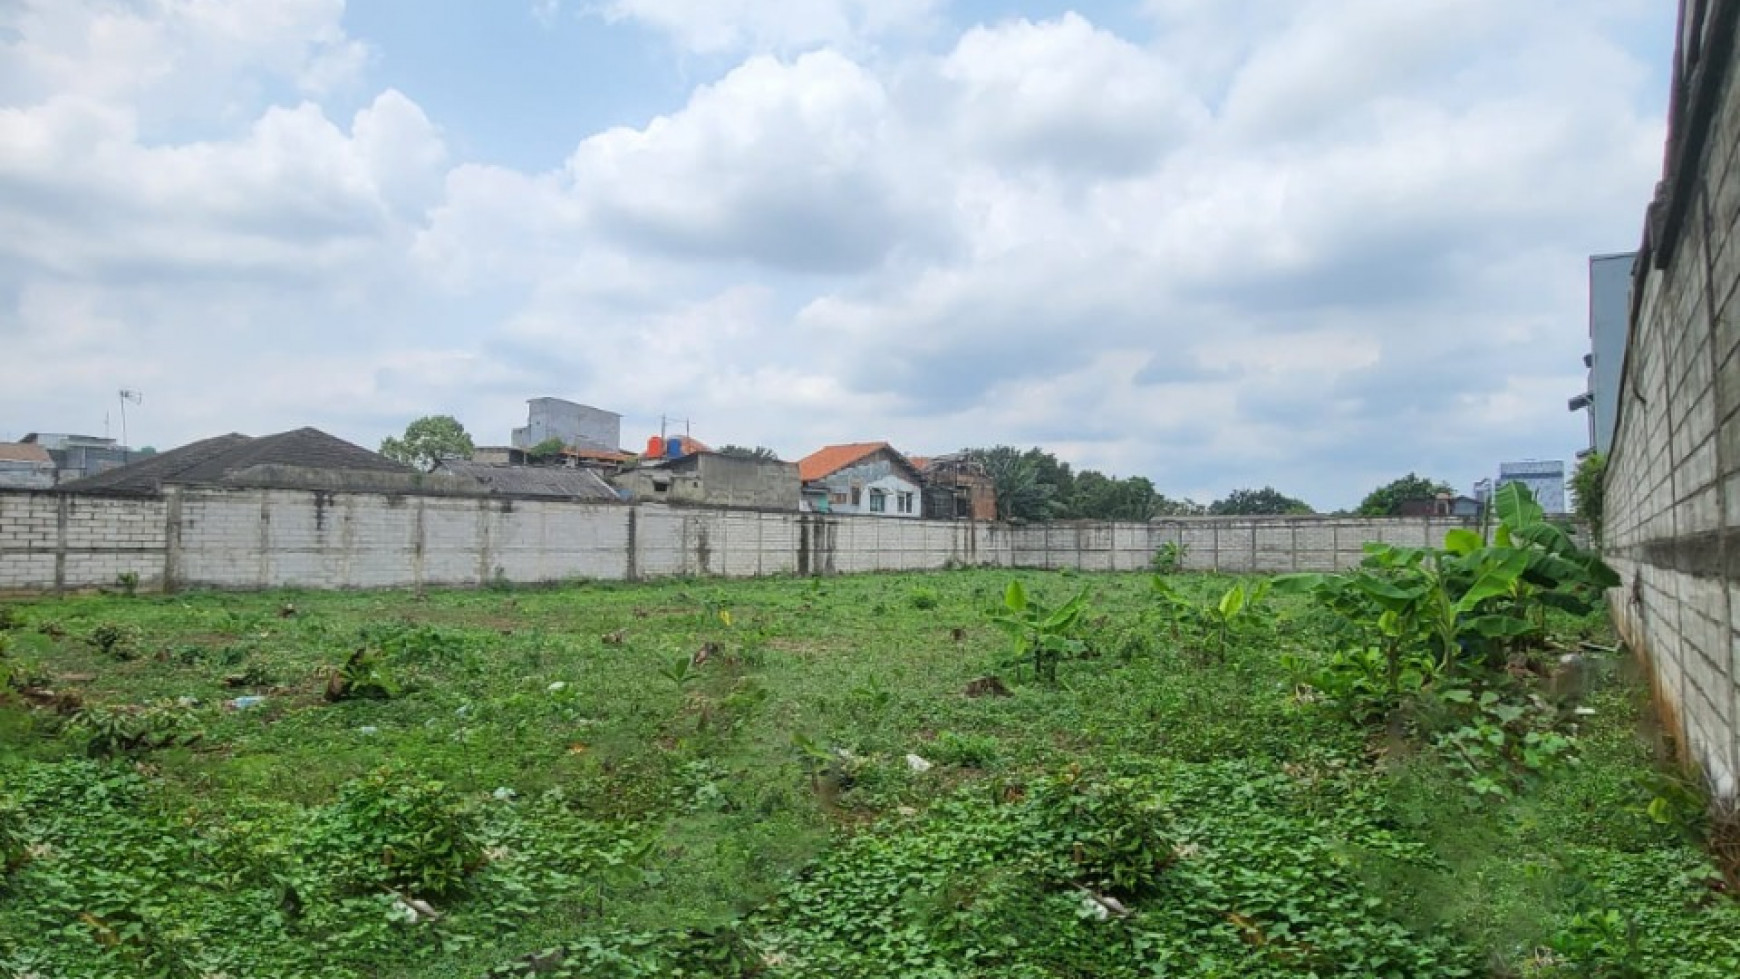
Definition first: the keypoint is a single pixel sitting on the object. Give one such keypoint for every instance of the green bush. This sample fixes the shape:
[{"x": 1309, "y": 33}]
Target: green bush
[
  {"x": 394, "y": 830},
  {"x": 964, "y": 750},
  {"x": 1113, "y": 830},
  {"x": 117, "y": 641}
]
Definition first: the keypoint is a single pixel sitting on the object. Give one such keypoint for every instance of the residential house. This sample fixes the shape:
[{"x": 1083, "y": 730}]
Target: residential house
[
  {"x": 711, "y": 479},
  {"x": 956, "y": 487},
  {"x": 1442, "y": 505},
  {"x": 25, "y": 465},
  {"x": 861, "y": 477}
]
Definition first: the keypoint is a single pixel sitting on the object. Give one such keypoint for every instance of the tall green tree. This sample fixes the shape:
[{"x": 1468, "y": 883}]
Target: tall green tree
[
  {"x": 1097, "y": 496},
  {"x": 1387, "y": 500},
  {"x": 1267, "y": 501},
  {"x": 1022, "y": 496},
  {"x": 428, "y": 440}
]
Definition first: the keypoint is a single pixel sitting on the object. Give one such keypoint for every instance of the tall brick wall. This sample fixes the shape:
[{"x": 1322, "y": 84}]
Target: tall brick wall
[
  {"x": 1673, "y": 479},
  {"x": 301, "y": 538}
]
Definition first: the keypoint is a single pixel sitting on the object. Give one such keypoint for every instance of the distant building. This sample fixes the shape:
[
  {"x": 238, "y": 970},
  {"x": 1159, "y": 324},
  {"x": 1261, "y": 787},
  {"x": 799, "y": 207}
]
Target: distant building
[
  {"x": 1609, "y": 325},
  {"x": 306, "y": 458},
  {"x": 861, "y": 477},
  {"x": 711, "y": 479},
  {"x": 577, "y": 426},
  {"x": 78, "y": 456},
  {"x": 1442, "y": 505},
  {"x": 956, "y": 488},
  {"x": 1544, "y": 479},
  {"x": 25, "y": 465}
]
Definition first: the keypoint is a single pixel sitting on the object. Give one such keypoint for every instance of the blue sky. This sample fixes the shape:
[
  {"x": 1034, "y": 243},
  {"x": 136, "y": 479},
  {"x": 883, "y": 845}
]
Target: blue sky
[{"x": 1221, "y": 243}]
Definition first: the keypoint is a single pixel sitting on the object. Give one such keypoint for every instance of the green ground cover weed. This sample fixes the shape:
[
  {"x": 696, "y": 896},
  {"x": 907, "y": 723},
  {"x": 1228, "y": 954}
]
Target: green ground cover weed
[{"x": 712, "y": 778}]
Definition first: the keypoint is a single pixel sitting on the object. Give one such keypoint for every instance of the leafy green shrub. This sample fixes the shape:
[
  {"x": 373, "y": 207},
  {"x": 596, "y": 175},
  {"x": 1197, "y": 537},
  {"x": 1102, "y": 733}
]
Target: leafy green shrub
[
  {"x": 397, "y": 831},
  {"x": 12, "y": 851},
  {"x": 1168, "y": 558},
  {"x": 420, "y": 644},
  {"x": 365, "y": 675},
  {"x": 1113, "y": 829},
  {"x": 964, "y": 750},
  {"x": 128, "y": 730},
  {"x": 1588, "y": 491},
  {"x": 117, "y": 641},
  {"x": 923, "y": 599},
  {"x": 10, "y": 618}
]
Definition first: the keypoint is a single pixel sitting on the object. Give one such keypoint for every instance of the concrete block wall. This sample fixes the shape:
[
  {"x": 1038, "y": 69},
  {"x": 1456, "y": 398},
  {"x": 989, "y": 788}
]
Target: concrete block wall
[
  {"x": 263, "y": 538},
  {"x": 1673, "y": 477},
  {"x": 50, "y": 541}
]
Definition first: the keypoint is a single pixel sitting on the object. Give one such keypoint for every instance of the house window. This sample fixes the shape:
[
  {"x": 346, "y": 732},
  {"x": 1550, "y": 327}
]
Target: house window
[
  {"x": 839, "y": 498},
  {"x": 857, "y": 496},
  {"x": 903, "y": 502},
  {"x": 878, "y": 501}
]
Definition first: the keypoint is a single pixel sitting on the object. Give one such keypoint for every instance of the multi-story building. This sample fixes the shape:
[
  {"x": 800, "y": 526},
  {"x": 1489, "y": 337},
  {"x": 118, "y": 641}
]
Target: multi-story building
[
  {"x": 1609, "y": 322},
  {"x": 578, "y": 426},
  {"x": 1545, "y": 480},
  {"x": 78, "y": 456}
]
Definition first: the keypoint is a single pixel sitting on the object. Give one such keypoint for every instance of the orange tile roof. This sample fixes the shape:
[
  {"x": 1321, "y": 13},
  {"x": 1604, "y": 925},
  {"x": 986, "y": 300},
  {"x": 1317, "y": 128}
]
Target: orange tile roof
[
  {"x": 830, "y": 459},
  {"x": 24, "y": 452}
]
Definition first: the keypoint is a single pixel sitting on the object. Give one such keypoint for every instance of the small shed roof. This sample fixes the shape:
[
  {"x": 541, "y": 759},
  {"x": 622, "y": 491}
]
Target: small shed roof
[{"x": 554, "y": 482}]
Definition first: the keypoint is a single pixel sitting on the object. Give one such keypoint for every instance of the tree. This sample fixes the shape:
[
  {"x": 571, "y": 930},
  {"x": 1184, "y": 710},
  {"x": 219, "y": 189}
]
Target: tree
[
  {"x": 427, "y": 441},
  {"x": 1097, "y": 496},
  {"x": 760, "y": 453},
  {"x": 546, "y": 450},
  {"x": 1387, "y": 500},
  {"x": 1588, "y": 491},
  {"x": 1021, "y": 495},
  {"x": 1260, "y": 502}
]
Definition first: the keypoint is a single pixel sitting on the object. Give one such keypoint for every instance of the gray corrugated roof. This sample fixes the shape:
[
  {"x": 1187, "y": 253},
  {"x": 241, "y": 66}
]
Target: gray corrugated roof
[
  {"x": 546, "y": 481},
  {"x": 221, "y": 460}
]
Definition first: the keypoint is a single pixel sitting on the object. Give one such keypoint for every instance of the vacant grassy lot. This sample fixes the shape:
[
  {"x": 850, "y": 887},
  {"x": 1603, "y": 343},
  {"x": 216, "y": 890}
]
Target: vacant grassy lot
[{"x": 712, "y": 778}]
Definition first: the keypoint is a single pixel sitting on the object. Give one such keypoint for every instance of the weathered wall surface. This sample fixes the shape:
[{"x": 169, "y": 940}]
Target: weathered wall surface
[
  {"x": 301, "y": 538},
  {"x": 1673, "y": 479}
]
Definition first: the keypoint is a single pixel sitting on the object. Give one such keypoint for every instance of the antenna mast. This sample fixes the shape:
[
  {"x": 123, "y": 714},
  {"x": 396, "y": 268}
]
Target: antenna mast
[{"x": 127, "y": 394}]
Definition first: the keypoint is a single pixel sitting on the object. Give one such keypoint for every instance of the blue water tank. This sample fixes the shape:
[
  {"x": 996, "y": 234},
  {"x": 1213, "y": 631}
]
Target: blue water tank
[{"x": 673, "y": 448}]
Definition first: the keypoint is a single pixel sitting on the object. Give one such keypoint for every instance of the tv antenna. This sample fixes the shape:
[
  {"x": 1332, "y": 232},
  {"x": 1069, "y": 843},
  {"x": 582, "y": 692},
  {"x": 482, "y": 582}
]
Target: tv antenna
[{"x": 127, "y": 394}]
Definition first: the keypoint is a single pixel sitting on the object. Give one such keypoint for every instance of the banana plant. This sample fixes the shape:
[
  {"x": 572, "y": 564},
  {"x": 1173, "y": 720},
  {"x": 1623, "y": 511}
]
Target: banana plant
[
  {"x": 1042, "y": 636},
  {"x": 1237, "y": 605}
]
